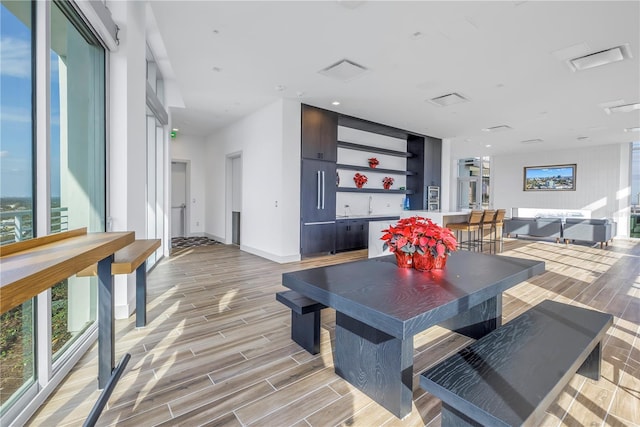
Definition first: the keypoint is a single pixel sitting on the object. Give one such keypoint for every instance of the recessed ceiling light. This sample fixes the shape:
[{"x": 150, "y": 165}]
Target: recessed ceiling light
[
  {"x": 627, "y": 108},
  {"x": 217, "y": 69},
  {"x": 488, "y": 145},
  {"x": 603, "y": 57},
  {"x": 499, "y": 128},
  {"x": 335, "y": 103},
  {"x": 448, "y": 99},
  {"x": 531, "y": 141},
  {"x": 416, "y": 35},
  {"x": 582, "y": 138},
  {"x": 636, "y": 129},
  {"x": 343, "y": 70},
  {"x": 280, "y": 88}
]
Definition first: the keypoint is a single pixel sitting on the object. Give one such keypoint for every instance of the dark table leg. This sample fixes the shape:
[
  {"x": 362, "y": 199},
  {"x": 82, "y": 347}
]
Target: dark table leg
[
  {"x": 376, "y": 363},
  {"x": 141, "y": 295},
  {"x": 106, "y": 333},
  {"x": 479, "y": 320}
]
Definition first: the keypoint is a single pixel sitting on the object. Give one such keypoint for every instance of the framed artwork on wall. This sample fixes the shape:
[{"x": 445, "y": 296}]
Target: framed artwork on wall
[{"x": 550, "y": 178}]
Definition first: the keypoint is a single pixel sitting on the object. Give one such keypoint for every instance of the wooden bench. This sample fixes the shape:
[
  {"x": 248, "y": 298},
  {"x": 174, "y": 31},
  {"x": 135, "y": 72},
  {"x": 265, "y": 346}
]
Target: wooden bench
[
  {"x": 510, "y": 376},
  {"x": 305, "y": 319},
  {"x": 127, "y": 260}
]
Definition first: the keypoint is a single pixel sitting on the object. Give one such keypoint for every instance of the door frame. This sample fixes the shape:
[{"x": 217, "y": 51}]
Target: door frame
[
  {"x": 228, "y": 198},
  {"x": 187, "y": 197}
]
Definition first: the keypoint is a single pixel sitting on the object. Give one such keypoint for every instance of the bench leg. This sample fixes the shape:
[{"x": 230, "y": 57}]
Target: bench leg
[
  {"x": 453, "y": 418},
  {"x": 305, "y": 330},
  {"x": 106, "y": 330},
  {"x": 379, "y": 365},
  {"x": 141, "y": 295},
  {"x": 591, "y": 366},
  {"x": 479, "y": 320}
]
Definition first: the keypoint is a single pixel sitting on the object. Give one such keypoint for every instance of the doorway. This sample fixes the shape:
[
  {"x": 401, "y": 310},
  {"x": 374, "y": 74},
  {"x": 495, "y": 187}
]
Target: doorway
[
  {"x": 179, "y": 179},
  {"x": 233, "y": 199}
]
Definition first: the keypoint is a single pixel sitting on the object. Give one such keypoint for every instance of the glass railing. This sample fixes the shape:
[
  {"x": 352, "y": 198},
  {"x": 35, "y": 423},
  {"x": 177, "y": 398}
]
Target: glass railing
[{"x": 16, "y": 226}]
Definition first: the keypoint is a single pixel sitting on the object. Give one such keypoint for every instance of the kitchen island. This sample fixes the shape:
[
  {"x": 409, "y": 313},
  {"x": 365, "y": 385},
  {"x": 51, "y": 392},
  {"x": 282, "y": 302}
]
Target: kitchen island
[{"x": 439, "y": 217}]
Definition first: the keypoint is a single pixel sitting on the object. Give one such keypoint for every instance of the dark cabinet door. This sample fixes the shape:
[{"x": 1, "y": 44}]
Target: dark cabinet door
[
  {"x": 342, "y": 239},
  {"x": 319, "y": 134},
  {"x": 352, "y": 234},
  {"x": 318, "y": 239},
  {"x": 318, "y": 191}
]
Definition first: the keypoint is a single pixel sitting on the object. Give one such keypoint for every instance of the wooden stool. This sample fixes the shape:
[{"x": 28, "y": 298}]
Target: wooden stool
[{"x": 472, "y": 225}]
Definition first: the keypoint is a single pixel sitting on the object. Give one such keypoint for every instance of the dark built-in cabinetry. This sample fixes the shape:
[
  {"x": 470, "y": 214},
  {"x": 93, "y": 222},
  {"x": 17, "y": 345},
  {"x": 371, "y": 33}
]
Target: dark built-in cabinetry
[
  {"x": 351, "y": 234},
  {"x": 319, "y": 231}
]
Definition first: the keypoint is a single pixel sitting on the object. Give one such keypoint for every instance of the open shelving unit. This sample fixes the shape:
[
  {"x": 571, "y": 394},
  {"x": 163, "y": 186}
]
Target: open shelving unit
[
  {"x": 371, "y": 190},
  {"x": 369, "y": 169},
  {"x": 352, "y": 146}
]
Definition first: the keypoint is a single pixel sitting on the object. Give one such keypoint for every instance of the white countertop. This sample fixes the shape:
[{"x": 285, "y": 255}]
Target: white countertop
[{"x": 439, "y": 217}]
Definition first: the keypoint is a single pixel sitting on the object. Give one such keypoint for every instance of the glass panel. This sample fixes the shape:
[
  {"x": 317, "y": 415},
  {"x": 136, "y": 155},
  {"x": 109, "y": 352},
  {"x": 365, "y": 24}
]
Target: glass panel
[
  {"x": 151, "y": 182},
  {"x": 634, "y": 229},
  {"x": 77, "y": 166},
  {"x": 17, "y": 355}
]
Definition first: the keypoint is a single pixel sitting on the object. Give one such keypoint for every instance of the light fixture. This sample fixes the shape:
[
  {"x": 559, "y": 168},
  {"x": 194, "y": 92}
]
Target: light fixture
[
  {"x": 602, "y": 57},
  {"x": 488, "y": 145},
  {"x": 499, "y": 128},
  {"x": 531, "y": 141},
  {"x": 627, "y": 108},
  {"x": 582, "y": 138},
  {"x": 280, "y": 88},
  {"x": 635, "y": 129},
  {"x": 175, "y": 129},
  {"x": 335, "y": 103},
  {"x": 448, "y": 99},
  {"x": 343, "y": 70}
]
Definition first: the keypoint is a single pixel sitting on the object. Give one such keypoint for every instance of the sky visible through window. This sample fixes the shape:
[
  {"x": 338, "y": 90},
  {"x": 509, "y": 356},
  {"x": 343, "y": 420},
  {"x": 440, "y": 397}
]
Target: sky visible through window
[{"x": 16, "y": 149}]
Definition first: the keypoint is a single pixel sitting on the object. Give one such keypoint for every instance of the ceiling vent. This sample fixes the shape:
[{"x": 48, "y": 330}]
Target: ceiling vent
[
  {"x": 627, "y": 108},
  {"x": 531, "y": 141},
  {"x": 344, "y": 70},
  {"x": 603, "y": 57},
  {"x": 448, "y": 99},
  {"x": 497, "y": 128}
]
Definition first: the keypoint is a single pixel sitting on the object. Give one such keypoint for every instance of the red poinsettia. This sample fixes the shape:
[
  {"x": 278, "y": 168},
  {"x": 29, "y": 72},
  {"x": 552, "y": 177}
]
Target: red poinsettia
[
  {"x": 360, "y": 179},
  {"x": 421, "y": 235},
  {"x": 373, "y": 162},
  {"x": 387, "y": 182}
]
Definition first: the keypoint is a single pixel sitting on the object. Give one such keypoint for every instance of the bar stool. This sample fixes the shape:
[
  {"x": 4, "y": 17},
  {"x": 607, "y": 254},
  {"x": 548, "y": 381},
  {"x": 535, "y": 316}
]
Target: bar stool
[
  {"x": 486, "y": 224},
  {"x": 498, "y": 224},
  {"x": 472, "y": 225}
]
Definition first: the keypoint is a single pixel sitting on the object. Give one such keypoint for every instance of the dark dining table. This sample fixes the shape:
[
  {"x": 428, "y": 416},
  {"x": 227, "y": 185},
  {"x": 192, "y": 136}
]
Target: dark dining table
[{"x": 380, "y": 307}]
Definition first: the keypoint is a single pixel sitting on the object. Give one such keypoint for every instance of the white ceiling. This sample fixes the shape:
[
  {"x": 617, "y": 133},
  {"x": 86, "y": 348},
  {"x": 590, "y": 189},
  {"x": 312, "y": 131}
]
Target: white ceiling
[{"x": 228, "y": 59}]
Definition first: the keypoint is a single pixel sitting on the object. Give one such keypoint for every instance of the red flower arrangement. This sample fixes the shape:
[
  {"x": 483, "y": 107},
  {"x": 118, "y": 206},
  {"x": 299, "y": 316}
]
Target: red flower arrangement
[
  {"x": 360, "y": 180},
  {"x": 387, "y": 182},
  {"x": 373, "y": 162},
  {"x": 419, "y": 235}
]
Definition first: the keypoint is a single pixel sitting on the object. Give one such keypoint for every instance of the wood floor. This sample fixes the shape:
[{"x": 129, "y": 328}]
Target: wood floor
[{"x": 217, "y": 352}]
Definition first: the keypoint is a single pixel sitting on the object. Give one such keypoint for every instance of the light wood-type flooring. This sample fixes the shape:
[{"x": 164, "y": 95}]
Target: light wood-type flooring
[{"x": 217, "y": 351}]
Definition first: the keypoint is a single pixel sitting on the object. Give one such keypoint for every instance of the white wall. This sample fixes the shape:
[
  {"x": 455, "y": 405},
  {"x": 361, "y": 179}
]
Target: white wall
[
  {"x": 127, "y": 136},
  {"x": 192, "y": 148},
  {"x": 269, "y": 142},
  {"x": 602, "y": 182}
]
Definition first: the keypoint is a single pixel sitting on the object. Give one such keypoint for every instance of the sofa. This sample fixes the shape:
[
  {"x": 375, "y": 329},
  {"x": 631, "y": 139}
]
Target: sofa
[
  {"x": 535, "y": 227},
  {"x": 589, "y": 230}
]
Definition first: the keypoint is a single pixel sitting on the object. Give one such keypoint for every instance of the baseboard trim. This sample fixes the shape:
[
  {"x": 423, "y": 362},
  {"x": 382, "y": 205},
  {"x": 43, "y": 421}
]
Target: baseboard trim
[{"x": 272, "y": 257}]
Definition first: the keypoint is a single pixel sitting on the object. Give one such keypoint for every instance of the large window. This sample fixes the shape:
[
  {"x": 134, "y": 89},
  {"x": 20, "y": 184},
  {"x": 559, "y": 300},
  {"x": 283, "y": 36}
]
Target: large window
[
  {"x": 77, "y": 165},
  {"x": 17, "y": 334},
  {"x": 70, "y": 191}
]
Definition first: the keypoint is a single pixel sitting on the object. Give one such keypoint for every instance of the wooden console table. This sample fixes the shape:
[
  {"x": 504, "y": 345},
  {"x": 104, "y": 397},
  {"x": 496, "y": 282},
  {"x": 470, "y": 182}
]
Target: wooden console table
[{"x": 35, "y": 265}]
